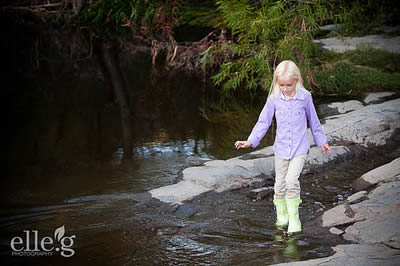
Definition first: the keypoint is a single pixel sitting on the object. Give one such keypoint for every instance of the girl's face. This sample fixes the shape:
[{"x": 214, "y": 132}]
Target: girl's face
[{"x": 287, "y": 85}]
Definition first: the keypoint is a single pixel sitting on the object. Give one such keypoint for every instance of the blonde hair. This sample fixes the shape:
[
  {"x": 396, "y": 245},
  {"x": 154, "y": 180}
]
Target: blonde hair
[{"x": 288, "y": 69}]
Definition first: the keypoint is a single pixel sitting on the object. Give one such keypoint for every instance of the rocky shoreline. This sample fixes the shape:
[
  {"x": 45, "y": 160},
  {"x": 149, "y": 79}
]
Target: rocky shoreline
[
  {"x": 356, "y": 124},
  {"x": 368, "y": 220},
  {"x": 386, "y": 40}
]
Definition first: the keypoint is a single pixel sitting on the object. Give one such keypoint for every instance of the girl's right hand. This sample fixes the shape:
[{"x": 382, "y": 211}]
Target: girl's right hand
[{"x": 242, "y": 144}]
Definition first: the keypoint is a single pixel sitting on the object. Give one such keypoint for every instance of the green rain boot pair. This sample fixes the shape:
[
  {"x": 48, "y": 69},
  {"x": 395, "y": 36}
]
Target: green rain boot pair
[{"x": 287, "y": 213}]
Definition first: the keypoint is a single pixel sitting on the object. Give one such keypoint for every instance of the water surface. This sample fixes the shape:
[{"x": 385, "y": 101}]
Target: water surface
[{"x": 65, "y": 167}]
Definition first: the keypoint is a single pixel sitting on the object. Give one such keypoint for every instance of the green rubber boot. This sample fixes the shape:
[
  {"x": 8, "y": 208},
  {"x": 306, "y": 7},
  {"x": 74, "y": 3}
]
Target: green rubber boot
[
  {"x": 293, "y": 210},
  {"x": 282, "y": 217}
]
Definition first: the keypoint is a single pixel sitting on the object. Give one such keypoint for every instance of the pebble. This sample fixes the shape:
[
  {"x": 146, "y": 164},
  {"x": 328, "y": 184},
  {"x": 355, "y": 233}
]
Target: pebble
[{"x": 336, "y": 231}]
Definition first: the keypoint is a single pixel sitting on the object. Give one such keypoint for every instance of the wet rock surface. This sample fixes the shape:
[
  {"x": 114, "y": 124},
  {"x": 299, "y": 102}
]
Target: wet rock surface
[
  {"x": 386, "y": 173},
  {"x": 363, "y": 126},
  {"x": 357, "y": 255},
  {"x": 214, "y": 228},
  {"x": 235, "y": 227},
  {"x": 378, "y": 97},
  {"x": 336, "y": 108},
  {"x": 371, "y": 220},
  {"x": 363, "y": 225},
  {"x": 372, "y": 124}
]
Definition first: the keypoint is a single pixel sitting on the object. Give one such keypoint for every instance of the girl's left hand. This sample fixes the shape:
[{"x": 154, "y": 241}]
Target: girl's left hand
[{"x": 326, "y": 149}]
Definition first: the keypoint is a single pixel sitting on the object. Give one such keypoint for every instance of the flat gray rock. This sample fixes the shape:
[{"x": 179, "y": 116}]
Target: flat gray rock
[
  {"x": 385, "y": 173},
  {"x": 339, "y": 107},
  {"x": 179, "y": 192},
  {"x": 331, "y": 27},
  {"x": 221, "y": 175},
  {"x": 336, "y": 231},
  {"x": 357, "y": 196},
  {"x": 377, "y": 229},
  {"x": 375, "y": 225},
  {"x": 372, "y": 124},
  {"x": 388, "y": 43},
  {"x": 317, "y": 158},
  {"x": 357, "y": 255},
  {"x": 377, "y": 97},
  {"x": 343, "y": 214},
  {"x": 383, "y": 200}
]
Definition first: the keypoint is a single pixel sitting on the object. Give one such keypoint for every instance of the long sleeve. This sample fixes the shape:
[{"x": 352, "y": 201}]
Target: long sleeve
[
  {"x": 315, "y": 125},
  {"x": 263, "y": 123}
]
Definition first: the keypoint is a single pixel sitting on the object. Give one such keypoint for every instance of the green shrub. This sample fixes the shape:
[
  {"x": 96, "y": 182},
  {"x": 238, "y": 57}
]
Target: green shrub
[{"x": 263, "y": 34}]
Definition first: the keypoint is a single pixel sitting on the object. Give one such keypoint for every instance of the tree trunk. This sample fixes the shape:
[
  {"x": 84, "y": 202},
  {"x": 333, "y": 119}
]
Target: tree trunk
[{"x": 108, "y": 57}]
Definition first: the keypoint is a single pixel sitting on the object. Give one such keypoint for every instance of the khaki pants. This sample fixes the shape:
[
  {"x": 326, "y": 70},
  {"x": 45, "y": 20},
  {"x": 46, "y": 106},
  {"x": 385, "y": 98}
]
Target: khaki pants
[{"x": 287, "y": 174}]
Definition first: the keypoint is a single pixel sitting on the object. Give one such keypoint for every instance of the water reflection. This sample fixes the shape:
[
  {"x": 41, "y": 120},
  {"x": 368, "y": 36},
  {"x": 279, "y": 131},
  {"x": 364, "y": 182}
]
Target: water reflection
[
  {"x": 288, "y": 245},
  {"x": 67, "y": 169},
  {"x": 215, "y": 228}
]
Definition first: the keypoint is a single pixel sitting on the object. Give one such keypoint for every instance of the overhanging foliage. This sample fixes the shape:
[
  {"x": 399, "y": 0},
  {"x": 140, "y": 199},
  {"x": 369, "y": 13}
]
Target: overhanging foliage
[{"x": 263, "y": 34}]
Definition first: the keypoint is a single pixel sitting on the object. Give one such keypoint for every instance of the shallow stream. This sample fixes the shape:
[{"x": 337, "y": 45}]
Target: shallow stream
[{"x": 66, "y": 170}]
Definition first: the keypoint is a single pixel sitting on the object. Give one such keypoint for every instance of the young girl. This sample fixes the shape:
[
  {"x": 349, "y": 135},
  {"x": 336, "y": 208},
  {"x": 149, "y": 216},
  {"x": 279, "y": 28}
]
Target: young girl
[{"x": 292, "y": 106}]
